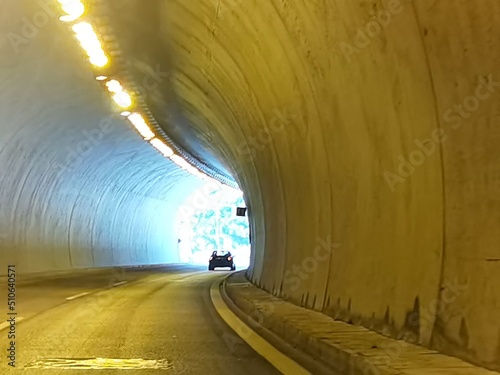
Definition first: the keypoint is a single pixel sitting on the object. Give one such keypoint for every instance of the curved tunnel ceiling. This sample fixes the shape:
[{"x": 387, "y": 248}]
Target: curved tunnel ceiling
[
  {"x": 146, "y": 54},
  {"x": 364, "y": 135},
  {"x": 79, "y": 187}
]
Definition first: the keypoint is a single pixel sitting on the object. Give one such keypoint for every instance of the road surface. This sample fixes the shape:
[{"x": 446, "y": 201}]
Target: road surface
[{"x": 151, "y": 321}]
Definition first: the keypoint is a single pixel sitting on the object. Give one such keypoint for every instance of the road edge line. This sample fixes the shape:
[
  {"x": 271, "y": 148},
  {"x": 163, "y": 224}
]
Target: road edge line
[{"x": 275, "y": 357}]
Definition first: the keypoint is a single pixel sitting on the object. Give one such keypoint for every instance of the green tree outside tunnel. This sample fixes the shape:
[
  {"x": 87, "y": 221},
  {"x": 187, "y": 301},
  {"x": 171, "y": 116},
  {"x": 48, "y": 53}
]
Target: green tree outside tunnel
[{"x": 216, "y": 227}]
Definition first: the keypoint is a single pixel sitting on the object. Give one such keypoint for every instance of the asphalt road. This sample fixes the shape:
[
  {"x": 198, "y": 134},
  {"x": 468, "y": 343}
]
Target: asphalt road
[{"x": 156, "y": 321}]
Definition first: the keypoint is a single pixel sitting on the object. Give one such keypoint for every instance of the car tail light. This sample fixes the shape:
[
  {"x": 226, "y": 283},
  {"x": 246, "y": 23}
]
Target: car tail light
[
  {"x": 211, "y": 258},
  {"x": 229, "y": 258}
]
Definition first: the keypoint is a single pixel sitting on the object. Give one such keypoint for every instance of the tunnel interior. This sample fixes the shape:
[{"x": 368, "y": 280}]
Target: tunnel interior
[{"x": 364, "y": 135}]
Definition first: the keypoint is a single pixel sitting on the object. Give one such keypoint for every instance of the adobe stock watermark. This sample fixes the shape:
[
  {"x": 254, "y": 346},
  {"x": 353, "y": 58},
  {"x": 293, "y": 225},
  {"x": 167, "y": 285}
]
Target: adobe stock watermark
[
  {"x": 264, "y": 136},
  {"x": 365, "y": 35},
  {"x": 199, "y": 201},
  {"x": 244, "y": 331},
  {"x": 455, "y": 116},
  {"x": 91, "y": 139},
  {"x": 293, "y": 278},
  {"x": 99, "y": 301},
  {"x": 460, "y": 112},
  {"x": 298, "y": 273},
  {"x": 416, "y": 158},
  {"x": 151, "y": 80},
  {"x": 31, "y": 25},
  {"x": 422, "y": 319},
  {"x": 449, "y": 293}
]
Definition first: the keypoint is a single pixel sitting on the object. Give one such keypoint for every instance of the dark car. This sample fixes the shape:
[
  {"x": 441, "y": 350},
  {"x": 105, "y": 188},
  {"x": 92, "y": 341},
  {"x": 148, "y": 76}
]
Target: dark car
[{"x": 221, "y": 259}]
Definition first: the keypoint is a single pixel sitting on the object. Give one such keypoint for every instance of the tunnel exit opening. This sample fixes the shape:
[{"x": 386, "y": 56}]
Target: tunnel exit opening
[{"x": 208, "y": 222}]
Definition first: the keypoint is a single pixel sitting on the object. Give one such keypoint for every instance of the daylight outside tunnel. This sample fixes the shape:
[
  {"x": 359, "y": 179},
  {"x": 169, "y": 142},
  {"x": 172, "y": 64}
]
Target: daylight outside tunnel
[{"x": 359, "y": 138}]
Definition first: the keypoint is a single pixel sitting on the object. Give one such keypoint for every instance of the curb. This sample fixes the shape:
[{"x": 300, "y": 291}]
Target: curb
[
  {"x": 331, "y": 347},
  {"x": 284, "y": 343},
  {"x": 279, "y": 360}
]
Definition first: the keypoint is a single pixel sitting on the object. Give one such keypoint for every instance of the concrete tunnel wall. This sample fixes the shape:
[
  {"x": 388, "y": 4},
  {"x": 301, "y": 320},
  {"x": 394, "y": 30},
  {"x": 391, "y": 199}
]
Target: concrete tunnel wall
[
  {"x": 318, "y": 124},
  {"x": 79, "y": 188},
  {"x": 309, "y": 115}
]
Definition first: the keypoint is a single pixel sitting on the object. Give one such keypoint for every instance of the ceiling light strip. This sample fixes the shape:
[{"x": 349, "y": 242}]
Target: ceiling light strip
[{"x": 74, "y": 11}]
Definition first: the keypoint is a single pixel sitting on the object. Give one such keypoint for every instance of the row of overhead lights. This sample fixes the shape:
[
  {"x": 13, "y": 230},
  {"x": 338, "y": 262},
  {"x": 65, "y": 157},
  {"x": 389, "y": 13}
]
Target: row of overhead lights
[{"x": 74, "y": 11}]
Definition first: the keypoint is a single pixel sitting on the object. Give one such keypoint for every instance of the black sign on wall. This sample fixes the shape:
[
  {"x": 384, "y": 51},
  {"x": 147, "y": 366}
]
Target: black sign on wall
[{"x": 241, "y": 211}]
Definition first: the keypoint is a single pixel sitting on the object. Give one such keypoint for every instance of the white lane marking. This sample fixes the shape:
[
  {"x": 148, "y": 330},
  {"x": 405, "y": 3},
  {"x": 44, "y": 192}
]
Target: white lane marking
[
  {"x": 100, "y": 364},
  {"x": 77, "y": 296},
  {"x": 7, "y": 324},
  {"x": 280, "y": 361},
  {"x": 120, "y": 283}
]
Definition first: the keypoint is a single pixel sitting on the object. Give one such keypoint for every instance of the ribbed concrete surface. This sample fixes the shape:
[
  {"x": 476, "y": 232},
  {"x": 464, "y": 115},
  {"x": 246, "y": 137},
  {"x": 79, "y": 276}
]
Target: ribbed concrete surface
[
  {"x": 79, "y": 188},
  {"x": 309, "y": 127},
  {"x": 352, "y": 108}
]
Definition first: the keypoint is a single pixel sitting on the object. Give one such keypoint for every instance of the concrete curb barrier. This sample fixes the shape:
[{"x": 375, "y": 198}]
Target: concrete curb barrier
[
  {"x": 243, "y": 309},
  {"x": 333, "y": 346}
]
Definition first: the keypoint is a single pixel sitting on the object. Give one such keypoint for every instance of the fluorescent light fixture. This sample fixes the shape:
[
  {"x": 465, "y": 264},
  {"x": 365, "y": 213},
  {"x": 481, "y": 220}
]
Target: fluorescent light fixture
[
  {"x": 74, "y": 9},
  {"x": 194, "y": 171},
  {"x": 114, "y": 86},
  {"x": 123, "y": 99},
  {"x": 180, "y": 162},
  {"x": 68, "y": 18},
  {"x": 99, "y": 60},
  {"x": 90, "y": 43},
  {"x": 138, "y": 121},
  {"x": 84, "y": 31},
  {"x": 136, "y": 118},
  {"x": 162, "y": 147}
]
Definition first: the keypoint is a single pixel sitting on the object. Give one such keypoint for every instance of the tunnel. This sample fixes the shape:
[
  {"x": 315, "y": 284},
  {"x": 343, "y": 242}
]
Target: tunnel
[{"x": 364, "y": 136}]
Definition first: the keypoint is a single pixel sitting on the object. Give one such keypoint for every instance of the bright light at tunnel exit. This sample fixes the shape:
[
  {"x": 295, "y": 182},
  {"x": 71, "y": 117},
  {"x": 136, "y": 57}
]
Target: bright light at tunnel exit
[{"x": 207, "y": 221}]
